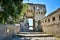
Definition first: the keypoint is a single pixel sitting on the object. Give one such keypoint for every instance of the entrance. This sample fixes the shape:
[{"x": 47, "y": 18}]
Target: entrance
[{"x": 30, "y": 22}]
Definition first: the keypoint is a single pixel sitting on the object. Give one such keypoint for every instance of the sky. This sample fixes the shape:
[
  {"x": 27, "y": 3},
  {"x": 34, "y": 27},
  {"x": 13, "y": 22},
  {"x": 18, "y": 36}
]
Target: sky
[{"x": 51, "y": 5}]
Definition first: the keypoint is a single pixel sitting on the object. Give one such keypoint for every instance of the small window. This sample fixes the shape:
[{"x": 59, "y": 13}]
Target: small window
[
  {"x": 36, "y": 39},
  {"x": 53, "y": 18},
  {"x": 39, "y": 12},
  {"x": 48, "y": 20},
  {"x": 45, "y": 20},
  {"x": 59, "y": 17}
]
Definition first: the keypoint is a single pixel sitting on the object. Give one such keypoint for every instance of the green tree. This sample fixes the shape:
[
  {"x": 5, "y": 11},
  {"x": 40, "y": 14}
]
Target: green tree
[
  {"x": 24, "y": 10},
  {"x": 12, "y": 11}
]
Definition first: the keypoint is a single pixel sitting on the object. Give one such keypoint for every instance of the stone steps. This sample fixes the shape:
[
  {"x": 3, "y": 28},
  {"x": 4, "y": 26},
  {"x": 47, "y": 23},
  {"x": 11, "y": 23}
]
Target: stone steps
[
  {"x": 36, "y": 36},
  {"x": 33, "y": 36},
  {"x": 31, "y": 32}
]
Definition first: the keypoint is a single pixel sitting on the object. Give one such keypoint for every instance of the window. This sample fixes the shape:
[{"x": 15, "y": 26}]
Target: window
[
  {"x": 41, "y": 12},
  {"x": 48, "y": 20},
  {"x": 45, "y": 20},
  {"x": 53, "y": 18},
  {"x": 37, "y": 12},
  {"x": 59, "y": 17},
  {"x": 37, "y": 39}
]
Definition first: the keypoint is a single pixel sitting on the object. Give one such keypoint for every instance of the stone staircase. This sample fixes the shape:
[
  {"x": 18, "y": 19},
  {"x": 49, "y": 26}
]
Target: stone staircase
[{"x": 36, "y": 36}]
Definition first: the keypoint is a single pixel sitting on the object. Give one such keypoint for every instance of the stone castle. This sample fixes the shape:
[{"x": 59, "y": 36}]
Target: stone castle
[
  {"x": 35, "y": 12},
  {"x": 49, "y": 24}
]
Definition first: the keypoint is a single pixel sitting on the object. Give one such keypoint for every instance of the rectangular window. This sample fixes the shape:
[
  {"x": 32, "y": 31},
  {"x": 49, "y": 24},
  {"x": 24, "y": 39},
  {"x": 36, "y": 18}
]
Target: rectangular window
[
  {"x": 42, "y": 21},
  {"x": 39, "y": 12},
  {"x": 59, "y": 17},
  {"x": 48, "y": 20},
  {"x": 53, "y": 18},
  {"x": 45, "y": 20}
]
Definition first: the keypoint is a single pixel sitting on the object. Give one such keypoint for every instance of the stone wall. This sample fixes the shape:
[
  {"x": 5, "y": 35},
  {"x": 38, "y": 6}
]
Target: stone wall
[
  {"x": 52, "y": 29},
  {"x": 51, "y": 23},
  {"x": 6, "y": 31},
  {"x": 40, "y": 11}
]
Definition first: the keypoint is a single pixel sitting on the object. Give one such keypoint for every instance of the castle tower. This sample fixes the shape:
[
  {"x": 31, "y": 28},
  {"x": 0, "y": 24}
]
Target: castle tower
[
  {"x": 39, "y": 13},
  {"x": 34, "y": 14}
]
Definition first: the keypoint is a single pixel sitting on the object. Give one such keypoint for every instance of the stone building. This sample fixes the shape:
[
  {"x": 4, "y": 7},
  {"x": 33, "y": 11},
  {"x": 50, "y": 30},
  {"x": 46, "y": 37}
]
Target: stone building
[
  {"x": 51, "y": 23},
  {"x": 38, "y": 11},
  {"x": 34, "y": 13}
]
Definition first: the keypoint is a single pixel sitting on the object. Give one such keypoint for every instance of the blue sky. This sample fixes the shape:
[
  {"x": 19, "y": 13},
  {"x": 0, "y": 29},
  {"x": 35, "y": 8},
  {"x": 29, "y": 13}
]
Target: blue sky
[{"x": 51, "y": 5}]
